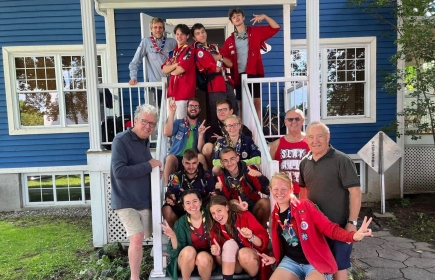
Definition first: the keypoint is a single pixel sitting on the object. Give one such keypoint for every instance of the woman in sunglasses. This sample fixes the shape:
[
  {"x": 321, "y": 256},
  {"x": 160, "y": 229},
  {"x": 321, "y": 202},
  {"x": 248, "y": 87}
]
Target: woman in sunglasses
[
  {"x": 245, "y": 147},
  {"x": 298, "y": 236}
]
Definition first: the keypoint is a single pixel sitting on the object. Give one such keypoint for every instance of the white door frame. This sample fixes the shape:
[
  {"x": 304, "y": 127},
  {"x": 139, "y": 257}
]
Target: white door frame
[{"x": 209, "y": 23}]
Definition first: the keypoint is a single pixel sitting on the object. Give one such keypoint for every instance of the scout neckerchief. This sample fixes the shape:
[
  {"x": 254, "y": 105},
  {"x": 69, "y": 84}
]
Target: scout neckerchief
[
  {"x": 209, "y": 48},
  {"x": 223, "y": 130},
  {"x": 228, "y": 236},
  {"x": 236, "y": 184},
  {"x": 192, "y": 228},
  {"x": 287, "y": 228},
  {"x": 177, "y": 52},
  {"x": 242, "y": 36},
  {"x": 186, "y": 179},
  {"x": 238, "y": 145},
  {"x": 158, "y": 49},
  {"x": 186, "y": 123}
]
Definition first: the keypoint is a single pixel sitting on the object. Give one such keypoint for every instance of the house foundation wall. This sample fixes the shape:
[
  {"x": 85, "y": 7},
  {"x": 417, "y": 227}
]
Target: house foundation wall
[{"x": 10, "y": 192}]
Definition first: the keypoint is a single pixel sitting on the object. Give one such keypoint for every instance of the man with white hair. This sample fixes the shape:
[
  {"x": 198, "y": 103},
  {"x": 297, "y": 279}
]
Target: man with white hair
[
  {"x": 332, "y": 183},
  {"x": 130, "y": 175}
]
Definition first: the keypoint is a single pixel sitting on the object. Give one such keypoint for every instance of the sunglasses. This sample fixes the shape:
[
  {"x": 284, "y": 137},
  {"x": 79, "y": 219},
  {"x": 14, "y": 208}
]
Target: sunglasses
[{"x": 293, "y": 119}]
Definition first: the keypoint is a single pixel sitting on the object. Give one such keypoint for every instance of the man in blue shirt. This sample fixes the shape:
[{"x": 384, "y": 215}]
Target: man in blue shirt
[
  {"x": 130, "y": 175},
  {"x": 186, "y": 133},
  {"x": 156, "y": 50}
]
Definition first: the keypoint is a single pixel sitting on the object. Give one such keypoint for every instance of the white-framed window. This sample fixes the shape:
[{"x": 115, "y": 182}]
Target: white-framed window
[
  {"x": 64, "y": 188},
  {"x": 361, "y": 170},
  {"x": 46, "y": 88},
  {"x": 347, "y": 78}
]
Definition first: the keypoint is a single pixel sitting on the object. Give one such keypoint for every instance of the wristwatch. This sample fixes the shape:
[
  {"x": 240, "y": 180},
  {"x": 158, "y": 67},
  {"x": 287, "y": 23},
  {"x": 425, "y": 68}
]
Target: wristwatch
[{"x": 352, "y": 222}]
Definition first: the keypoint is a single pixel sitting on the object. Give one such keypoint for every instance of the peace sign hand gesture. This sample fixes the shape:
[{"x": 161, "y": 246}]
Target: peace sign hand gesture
[
  {"x": 202, "y": 128},
  {"x": 168, "y": 230},
  {"x": 215, "y": 249},
  {"x": 242, "y": 205},
  {"x": 363, "y": 231}
]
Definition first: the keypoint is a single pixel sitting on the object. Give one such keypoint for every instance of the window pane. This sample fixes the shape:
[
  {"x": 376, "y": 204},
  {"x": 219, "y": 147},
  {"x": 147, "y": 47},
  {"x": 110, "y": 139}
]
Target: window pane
[
  {"x": 76, "y": 107},
  {"x": 87, "y": 187},
  {"x": 39, "y": 188},
  {"x": 47, "y": 195},
  {"x": 75, "y": 194},
  {"x": 361, "y": 53},
  {"x": 38, "y": 109},
  {"x": 19, "y": 62},
  {"x": 345, "y": 99}
]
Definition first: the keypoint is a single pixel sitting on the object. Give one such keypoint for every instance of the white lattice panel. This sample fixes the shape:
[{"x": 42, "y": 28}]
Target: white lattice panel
[
  {"x": 419, "y": 169},
  {"x": 115, "y": 229}
]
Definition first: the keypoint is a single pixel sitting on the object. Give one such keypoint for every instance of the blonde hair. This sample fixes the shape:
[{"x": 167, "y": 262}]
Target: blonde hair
[
  {"x": 233, "y": 117},
  {"x": 157, "y": 20},
  {"x": 281, "y": 176}
]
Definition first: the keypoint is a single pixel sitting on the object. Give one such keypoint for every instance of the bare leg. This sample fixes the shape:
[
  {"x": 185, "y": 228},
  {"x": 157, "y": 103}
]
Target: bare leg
[
  {"x": 340, "y": 275},
  {"x": 249, "y": 261},
  {"x": 169, "y": 215},
  {"x": 186, "y": 261},
  {"x": 171, "y": 166},
  {"x": 261, "y": 211},
  {"x": 205, "y": 265},
  {"x": 135, "y": 253},
  {"x": 280, "y": 274},
  {"x": 315, "y": 275},
  {"x": 202, "y": 160},
  {"x": 257, "y": 105},
  {"x": 207, "y": 152}
]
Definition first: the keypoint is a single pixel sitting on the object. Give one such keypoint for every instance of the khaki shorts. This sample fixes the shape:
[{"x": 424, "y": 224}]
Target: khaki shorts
[{"x": 136, "y": 221}]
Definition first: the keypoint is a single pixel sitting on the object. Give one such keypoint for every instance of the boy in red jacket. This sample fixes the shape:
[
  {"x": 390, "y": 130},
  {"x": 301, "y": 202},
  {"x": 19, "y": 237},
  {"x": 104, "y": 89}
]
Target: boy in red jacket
[{"x": 243, "y": 47}]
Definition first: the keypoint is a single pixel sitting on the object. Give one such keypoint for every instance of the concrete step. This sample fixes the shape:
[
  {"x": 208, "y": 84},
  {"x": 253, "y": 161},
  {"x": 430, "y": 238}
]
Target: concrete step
[{"x": 214, "y": 276}]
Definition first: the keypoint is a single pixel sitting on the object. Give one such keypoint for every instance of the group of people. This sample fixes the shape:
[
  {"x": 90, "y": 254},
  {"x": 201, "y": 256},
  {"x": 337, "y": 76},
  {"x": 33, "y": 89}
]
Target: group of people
[
  {"x": 220, "y": 68},
  {"x": 217, "y": 205}
]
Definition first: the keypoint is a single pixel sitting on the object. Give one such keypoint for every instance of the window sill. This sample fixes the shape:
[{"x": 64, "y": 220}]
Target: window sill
[
  {"x": 49, "y": 130},
  {"x": 349, "y": 120}
]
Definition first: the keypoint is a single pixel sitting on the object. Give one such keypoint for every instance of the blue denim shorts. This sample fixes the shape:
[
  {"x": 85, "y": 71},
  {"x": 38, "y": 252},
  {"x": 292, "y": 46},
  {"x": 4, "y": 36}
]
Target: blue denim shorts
[{"x": 300, "y": 270}]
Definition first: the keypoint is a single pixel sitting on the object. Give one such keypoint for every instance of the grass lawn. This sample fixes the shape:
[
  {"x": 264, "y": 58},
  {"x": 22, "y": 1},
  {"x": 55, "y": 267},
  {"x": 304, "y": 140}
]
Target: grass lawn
[{"x": 44, "y": 247}]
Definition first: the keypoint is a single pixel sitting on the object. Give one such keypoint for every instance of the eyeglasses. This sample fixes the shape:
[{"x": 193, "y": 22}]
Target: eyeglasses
[
  {"x": 232, "y": 125},
  {"x": 292, "y": 119},
  {"x": 150, "y": 124},
  {"x": 223, "y": 110},
  {"x": 226, "y": 161},
  {"x": 194, "y": 106}
]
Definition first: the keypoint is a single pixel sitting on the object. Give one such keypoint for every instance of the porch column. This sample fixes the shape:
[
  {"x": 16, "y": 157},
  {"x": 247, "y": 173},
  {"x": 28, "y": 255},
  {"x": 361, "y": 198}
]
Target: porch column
[
  {"x": 89, "y": 43},
  {"x": 313, "y": 59}
]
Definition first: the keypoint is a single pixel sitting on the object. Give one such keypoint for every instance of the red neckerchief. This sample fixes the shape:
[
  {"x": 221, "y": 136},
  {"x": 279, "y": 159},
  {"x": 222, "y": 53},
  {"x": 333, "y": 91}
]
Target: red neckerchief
[
  {"x": 278, "y": 220},
  {"x": 209, "y": 48},
  {"x": 159, "y": 49}
]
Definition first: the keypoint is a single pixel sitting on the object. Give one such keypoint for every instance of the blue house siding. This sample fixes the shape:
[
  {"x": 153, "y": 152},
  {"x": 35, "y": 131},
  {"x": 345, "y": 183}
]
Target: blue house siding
[
  {"x": 38, "y": 23},
  {"x": 128, "y": 33},
  {"x": 337, "y": 20}
]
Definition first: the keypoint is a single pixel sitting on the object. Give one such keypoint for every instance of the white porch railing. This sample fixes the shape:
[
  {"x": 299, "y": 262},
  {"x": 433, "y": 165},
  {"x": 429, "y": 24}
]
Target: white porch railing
[
  {"x": 125, "y": 98},
  {"x": 282, "y": 94}
]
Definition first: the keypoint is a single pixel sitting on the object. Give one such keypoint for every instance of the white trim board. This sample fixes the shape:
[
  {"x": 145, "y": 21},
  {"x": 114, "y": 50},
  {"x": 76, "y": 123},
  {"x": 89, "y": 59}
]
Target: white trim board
[
  {"x": 209, "y": 23},
  {"x": 45, "y": 169}
]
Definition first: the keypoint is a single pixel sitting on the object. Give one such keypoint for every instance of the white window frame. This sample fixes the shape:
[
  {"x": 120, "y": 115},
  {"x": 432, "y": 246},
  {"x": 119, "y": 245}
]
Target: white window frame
[
  {"x": 54, "y": 202},
  {"x": 369, "y": 43},
  {"x": 9, "y": 54},
  {"x": 362, "y": 171}
]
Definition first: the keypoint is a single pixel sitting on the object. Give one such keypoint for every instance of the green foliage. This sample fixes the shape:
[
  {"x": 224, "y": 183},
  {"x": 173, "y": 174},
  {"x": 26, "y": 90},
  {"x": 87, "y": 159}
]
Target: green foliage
[
  {"x": 414, "y": 22},
  {"x": 29, "y": 116},
  {"x": 43, "y": 247}
]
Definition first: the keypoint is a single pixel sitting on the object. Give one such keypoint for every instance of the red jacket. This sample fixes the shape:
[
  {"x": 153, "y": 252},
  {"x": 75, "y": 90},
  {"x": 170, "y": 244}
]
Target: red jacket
[
  {"x": 182, "y": 87},
  {"x": 246, "y": 219},
  {"x": 314, "y": 245},
  {"x": 207, "y": 65},
  {"x": 254, "y": 65}
]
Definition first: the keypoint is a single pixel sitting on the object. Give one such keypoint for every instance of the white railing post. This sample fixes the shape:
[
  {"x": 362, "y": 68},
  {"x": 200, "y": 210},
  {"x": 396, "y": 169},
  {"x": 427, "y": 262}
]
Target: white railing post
[
  {"x": 158, "y": 190},
  {"x": 312, "y": 12},
  {"x": 89, "y": 43}
]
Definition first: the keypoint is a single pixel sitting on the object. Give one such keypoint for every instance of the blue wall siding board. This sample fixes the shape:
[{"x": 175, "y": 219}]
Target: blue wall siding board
[
  {"x": 339, "y": 21},
  {"x": 43, "y": 22}
]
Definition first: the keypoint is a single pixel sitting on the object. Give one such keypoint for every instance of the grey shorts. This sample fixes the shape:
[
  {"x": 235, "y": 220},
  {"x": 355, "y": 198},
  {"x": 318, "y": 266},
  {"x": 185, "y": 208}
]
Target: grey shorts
[{"x": 136, "y": 221}]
